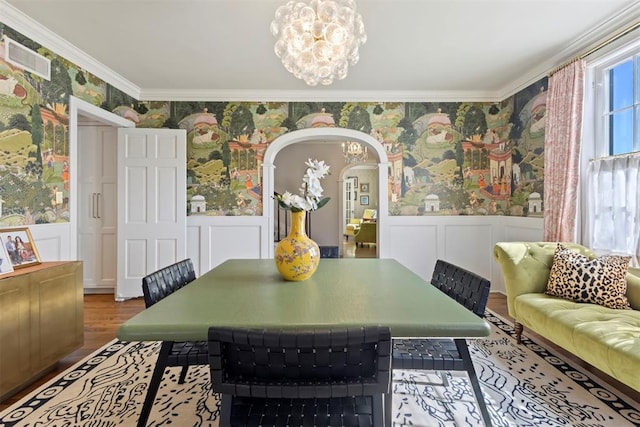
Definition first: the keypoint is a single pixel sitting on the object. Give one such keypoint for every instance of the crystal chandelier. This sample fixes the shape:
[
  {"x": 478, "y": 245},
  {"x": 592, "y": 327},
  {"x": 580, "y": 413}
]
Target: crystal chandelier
[
  {"x": 318, "y": 39},
  {"x": 354, "y": 152}
]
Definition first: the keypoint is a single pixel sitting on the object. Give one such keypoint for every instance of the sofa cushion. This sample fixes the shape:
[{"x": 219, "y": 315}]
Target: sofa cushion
[
  {"x": 600, "y": 280},
  {"x": 605, "y": 338}
]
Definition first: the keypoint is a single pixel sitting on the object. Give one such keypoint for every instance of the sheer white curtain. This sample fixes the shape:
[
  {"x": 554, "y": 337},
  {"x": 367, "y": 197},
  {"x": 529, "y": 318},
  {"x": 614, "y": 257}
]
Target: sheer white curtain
[{"x": 613, "y": 202}]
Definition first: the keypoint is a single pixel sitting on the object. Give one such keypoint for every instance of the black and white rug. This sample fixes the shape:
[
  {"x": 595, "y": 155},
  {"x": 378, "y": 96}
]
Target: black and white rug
[{"x": 524, "y": 385}]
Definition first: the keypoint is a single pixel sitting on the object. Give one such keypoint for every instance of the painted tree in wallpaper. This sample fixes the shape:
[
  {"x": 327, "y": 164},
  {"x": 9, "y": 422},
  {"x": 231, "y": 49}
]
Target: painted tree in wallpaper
[
  {"x": 225, "y": 145},
  {"x": 33, "y": 142}
]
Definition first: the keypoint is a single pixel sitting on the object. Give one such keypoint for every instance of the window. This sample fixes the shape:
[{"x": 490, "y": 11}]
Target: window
[
  {"x": 611, "y": 155},
  {"x": 618, "y": 102}
]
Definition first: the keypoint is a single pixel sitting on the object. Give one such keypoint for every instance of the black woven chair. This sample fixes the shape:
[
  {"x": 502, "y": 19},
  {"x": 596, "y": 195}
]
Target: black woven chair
[
  {"x": 332, "y": 377},
  {"x": 155, "y": 287},
  {"x": 470, "y": 290}
]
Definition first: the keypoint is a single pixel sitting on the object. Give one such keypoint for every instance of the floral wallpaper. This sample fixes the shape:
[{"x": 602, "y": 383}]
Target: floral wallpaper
[{"x": 452, "y": 158}]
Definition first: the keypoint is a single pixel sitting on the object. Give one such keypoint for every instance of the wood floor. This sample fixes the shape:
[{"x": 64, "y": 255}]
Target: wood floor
[{"x": 102, "y": 316}]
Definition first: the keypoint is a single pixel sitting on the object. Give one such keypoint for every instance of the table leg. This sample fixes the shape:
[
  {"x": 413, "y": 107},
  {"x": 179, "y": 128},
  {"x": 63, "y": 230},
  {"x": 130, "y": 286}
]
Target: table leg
[{"x": 154, "y": 384}]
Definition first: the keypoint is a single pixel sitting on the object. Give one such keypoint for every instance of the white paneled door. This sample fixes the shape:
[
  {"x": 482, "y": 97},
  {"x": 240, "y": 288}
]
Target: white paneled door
[
  {"x": 152, "y": 204},
  {"x": 97, "y": 210}
]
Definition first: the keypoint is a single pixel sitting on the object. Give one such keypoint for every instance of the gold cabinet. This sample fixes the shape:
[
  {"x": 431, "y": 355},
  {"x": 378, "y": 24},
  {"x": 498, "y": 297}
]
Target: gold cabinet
[{"x": 41, "y": 320}]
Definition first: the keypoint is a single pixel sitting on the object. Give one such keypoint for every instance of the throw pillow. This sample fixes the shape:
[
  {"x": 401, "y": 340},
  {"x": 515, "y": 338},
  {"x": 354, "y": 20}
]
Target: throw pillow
[{"x": 600, "y": 280}]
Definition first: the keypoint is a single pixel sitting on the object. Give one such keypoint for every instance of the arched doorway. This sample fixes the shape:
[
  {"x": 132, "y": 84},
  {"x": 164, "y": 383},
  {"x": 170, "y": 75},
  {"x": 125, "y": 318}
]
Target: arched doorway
[{"x": 324, "y": 134}]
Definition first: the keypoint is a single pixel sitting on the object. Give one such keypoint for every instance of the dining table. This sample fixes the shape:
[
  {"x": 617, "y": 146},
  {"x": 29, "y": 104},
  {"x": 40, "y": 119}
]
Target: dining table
[{"x": 343, "y": 292}]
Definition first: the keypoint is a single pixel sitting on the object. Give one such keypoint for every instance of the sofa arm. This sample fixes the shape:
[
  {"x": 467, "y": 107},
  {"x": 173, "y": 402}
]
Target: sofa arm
[
  {"x": 633, "y": 287},
  {"x": 526, "y": 265}
]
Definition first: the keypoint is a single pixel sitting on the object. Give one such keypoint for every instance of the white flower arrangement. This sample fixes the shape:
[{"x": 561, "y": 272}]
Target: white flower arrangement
[{"x": 310, "y": 197}]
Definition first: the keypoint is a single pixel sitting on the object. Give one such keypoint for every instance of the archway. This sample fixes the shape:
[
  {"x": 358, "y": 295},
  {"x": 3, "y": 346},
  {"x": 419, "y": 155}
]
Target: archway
[{"x": 324, "y": 134}]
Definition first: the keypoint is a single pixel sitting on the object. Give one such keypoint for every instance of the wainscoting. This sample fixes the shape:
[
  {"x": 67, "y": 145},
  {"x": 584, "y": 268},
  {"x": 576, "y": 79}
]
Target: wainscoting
[{"x": 417, "y": 242}]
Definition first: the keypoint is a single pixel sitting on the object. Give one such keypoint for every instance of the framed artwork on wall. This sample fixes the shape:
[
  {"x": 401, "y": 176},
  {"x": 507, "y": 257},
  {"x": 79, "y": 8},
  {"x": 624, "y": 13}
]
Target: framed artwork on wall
[
  {"x": 5, "y": 263},
  {"x": 364, "y": 200},
  {"x": 19, "y": 247},
  {"x": 364, "y": 187}
]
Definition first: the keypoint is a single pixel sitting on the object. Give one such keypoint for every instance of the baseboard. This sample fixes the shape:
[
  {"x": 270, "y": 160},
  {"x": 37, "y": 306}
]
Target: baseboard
[{"x": 95, "y": 291}]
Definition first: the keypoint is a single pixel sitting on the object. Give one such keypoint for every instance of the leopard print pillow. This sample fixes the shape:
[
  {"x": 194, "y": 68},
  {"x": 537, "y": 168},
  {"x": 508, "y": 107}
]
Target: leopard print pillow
[{"x": 600, "y": 280}]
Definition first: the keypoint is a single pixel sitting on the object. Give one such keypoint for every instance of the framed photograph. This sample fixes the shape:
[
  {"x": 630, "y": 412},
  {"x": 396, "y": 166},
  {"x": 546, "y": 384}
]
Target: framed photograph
[
  {"x": 5, "y": 264},
  {"x": 364, "y": 200},
  {"x": 19, "y": 247},
  {"x": 364, "y": 187}
]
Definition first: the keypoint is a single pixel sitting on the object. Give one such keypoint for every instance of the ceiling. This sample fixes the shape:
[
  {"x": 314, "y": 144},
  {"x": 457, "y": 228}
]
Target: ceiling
[{"x": 416, "y": 50}]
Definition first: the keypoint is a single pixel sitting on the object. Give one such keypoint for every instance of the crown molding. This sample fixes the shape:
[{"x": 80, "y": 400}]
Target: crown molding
[
  {"x": 28, "y": 27},
  {"x": 36, "y": 31},
  {"x": 319, "y": 96},
  {"x": 589, "y": 40}
]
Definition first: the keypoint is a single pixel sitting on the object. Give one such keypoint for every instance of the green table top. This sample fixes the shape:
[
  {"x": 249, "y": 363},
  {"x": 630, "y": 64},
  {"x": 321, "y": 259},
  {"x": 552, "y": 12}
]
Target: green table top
[{"x": 250, "y": 293}]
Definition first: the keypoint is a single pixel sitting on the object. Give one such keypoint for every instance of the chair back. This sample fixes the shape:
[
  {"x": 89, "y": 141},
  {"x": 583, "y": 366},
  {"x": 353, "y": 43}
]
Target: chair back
[
  {"x": 155, "y": 287},
  {"x": 167, "y": 280},
  {"x": 467, "y": 288},
  {"x": 183, "y": 272},
  {"x": 289, "y": 364}
]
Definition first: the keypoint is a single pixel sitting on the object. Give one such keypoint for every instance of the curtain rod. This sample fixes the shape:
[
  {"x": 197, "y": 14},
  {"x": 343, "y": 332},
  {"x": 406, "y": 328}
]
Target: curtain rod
[
  {"x": 606, "y": 42},
  {"x": 617, "y": 156}
]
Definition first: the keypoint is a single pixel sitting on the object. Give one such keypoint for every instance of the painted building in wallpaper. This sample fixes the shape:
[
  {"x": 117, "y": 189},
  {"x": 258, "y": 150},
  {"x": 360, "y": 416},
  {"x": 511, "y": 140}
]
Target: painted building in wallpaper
[{"x": 454, "y": 158}]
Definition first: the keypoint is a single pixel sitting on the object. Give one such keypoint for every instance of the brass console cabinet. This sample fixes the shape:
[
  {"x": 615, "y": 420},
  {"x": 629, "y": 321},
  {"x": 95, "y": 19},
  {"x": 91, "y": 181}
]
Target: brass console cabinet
[{"x": 41, "y": 321}]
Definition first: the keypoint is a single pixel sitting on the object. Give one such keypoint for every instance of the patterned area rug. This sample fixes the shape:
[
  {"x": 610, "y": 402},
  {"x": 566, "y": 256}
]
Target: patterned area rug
[{"x": 524, "y": 385}]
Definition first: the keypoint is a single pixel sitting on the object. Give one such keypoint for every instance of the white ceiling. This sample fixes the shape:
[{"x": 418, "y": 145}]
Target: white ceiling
[{"x": 416, "y": 49}]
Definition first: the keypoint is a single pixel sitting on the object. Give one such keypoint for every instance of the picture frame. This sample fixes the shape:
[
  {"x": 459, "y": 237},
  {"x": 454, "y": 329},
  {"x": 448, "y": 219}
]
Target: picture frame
[
  {"x": 364, "y": 200},
  {"x": 5, "y": 264},
  {"x": 364, "y": 187},
  {"x": 19, "y": 247}
]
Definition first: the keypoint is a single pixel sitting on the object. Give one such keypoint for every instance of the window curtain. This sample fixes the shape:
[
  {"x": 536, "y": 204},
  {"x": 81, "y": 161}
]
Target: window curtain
[
  {"x": 563, "y": 127},
  {"x": 613, "y": 202}
]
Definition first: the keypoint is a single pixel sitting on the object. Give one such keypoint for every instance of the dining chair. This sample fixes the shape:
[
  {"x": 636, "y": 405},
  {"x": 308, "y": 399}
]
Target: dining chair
[
  {"x": 446, "y": 354},
  {"x": 322, "y": 377},
  {"x": 155, "y": 287}
]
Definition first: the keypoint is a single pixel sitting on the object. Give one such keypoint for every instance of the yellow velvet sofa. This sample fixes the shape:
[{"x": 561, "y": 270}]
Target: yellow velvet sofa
[{"x": 606, "y": 338}]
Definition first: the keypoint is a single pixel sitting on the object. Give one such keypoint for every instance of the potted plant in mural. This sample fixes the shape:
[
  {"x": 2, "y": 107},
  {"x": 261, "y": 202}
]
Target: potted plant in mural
[{"x": 297, "y": 256}]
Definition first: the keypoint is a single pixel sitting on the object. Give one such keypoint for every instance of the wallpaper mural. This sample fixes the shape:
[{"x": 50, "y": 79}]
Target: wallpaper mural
[{"x": 453, "y": 158}]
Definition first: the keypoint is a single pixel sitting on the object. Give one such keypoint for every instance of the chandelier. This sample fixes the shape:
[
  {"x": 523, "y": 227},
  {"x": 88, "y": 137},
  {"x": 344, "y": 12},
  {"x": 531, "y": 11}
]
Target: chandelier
[
  {"x": 316, "y": 40},
  {"x": 354, "y": 152}
]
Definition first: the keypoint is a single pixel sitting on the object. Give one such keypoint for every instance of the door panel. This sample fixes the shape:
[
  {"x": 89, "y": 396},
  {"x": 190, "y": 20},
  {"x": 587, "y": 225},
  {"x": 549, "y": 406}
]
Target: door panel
[
  {"x": 166, "y": 197},
  {"x": 152, "y": 200},
  {"x": 108, "y": 198},
  {"x": 134, "y": 186},
  {"x": 108, "y": 258}
]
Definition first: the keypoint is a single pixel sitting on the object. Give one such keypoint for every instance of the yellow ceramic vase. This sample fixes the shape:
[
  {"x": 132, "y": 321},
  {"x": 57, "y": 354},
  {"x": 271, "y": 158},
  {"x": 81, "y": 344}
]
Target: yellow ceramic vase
[{"x": 297, "y": 256}]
